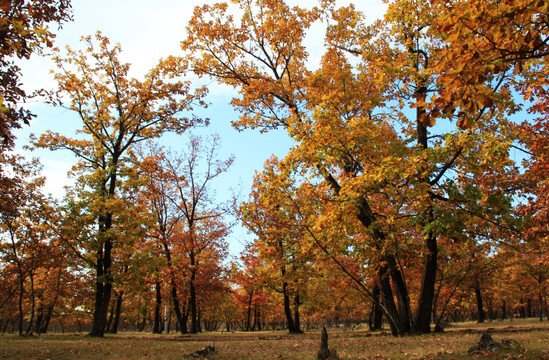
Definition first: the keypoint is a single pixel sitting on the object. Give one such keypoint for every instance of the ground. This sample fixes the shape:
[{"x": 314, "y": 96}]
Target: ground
[{"x": 359, "y": 344}]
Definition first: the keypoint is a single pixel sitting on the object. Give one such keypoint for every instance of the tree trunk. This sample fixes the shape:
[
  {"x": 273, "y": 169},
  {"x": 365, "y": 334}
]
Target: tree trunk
[
  {"x": 480, "y": 308},
  {"x": 503, "y": 310},
  {"x": 376, "y": 314},
  {"x": 157, "y": 309},
  {"x": 249, "y": 317},
  {"x": 39, "y": 320},
  {"x": 47, "y": 318},
  {"x": 399, "y": 319},
  {"x": 103, "y": 287},
  {"x": 181, "y": 318},
  {"x": 540, "y": 298},
  {"x": 257, "y": 317},
  {"x": 192, "y": 289},
  {"x": 287, "y": 309},
  {"x": 297, "y": 320},
  {"x": 111, "y": 316},
  {"x": 20, "y": 304},
  {"x": 49, "y": 313},
  {"x": 116, "y": 322},
  {"x": 422, "y": 322}
]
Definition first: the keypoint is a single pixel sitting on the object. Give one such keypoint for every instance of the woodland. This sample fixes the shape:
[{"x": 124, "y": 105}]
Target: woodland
[{"x": 415, "y": 194}]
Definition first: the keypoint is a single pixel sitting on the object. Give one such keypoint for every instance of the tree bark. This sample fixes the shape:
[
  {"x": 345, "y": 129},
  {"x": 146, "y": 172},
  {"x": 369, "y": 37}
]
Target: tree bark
[
  {"x": 103, "y": 289},
  {"x": 118, "y": 308},
  {"x": 376, "y": 314},
  {"x": 422, "y": 322},
  {"x": 192, "y": 299},
  {"x": 287, "y": 308},
  {"x": 157, "y": 309},
  {"x": 503, "y": 310},
  {"x": 249, "y": 318},
  {"x": 297, "y": 320},
  {"x": 480, "y": 307}
]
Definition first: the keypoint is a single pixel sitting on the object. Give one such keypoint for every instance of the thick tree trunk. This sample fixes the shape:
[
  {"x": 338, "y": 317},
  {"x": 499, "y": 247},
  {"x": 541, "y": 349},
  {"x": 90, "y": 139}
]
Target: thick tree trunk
[
  {"x": 376, "y": 314},
  {"x": 257, "y": 317},
  {"x": 46, "y": 320},
  {"x": 111, "y": 316},
  {"x": 422, "y": 322},
  {"x": 157, "y": 309},
  {"x": 118, "y": 308},
  {"x": 181, "y": 317},
  {"x": 249, "y": 317},
  {"x": 287, "y": 308},
  {"x": 480, "y": 307},
  {"x": 503, "y": 310},
  {"x": 387, "y": 271},
  {"x": 389, "y": 307},
  {"x": 297, "y": 318},
  {"x": 103, "y": 289}
]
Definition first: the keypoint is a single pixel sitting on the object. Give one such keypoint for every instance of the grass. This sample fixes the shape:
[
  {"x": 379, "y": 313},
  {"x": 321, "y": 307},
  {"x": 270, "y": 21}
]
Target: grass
[{"x": 360, "y": 344}]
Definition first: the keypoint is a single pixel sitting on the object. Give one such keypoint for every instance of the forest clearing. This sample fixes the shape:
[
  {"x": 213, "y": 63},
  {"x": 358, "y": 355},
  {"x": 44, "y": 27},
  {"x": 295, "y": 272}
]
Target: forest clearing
[{"x": 531, "y": 334}]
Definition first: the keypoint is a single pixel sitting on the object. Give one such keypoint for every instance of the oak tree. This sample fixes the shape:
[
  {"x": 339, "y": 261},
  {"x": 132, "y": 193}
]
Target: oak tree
[{"x": 116, "y": 112}]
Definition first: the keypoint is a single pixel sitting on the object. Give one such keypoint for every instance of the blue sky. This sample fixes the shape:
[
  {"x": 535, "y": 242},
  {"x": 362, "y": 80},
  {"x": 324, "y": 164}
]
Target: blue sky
[{"x": 148, "y": 31}]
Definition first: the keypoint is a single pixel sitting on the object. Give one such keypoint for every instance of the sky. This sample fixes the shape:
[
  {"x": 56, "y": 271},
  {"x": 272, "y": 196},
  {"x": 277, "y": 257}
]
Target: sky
[{"x": 148, "y": 31}]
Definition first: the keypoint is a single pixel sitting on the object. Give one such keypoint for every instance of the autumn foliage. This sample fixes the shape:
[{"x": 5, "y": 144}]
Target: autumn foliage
[{"x": 414, "y": 195}]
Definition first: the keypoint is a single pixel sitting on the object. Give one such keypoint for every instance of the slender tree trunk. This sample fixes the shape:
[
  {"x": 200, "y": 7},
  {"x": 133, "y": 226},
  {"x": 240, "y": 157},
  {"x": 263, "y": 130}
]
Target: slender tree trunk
[
  {"x": 20, "y": 304},
  {"x": 192, "y": 289},
  {"x": 181, "y": 320},
  {"x": 157, "y": 309},
  {"x": 540, "y": 298},
  {"x": 33, "y": 302}
]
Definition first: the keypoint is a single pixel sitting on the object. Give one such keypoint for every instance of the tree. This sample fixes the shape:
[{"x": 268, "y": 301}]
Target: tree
[
  {"x": 508, "y": 36},
  {"x": 189, "y": 221},
  {"x": 202, "y": 224},
  {"x": 31, "y": 250},
  {"x": 281, "y": 260},
  {"x": 365, "y": 123},
  {"x": 116, "y": 113},
  {"x": 23, "y": 31}
]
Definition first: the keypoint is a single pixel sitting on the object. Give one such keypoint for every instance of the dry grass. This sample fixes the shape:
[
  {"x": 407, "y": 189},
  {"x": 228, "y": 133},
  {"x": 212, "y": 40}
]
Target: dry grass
[{"x": 534, "y": 336}]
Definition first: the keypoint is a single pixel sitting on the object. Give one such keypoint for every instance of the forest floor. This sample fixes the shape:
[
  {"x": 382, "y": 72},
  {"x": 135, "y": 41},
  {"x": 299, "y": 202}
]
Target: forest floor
[{"x": 532, "y": 335}]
